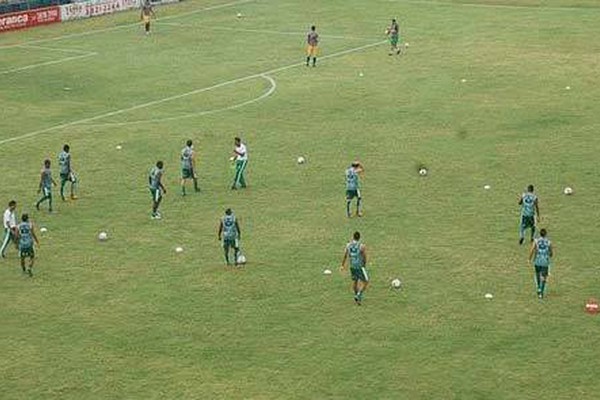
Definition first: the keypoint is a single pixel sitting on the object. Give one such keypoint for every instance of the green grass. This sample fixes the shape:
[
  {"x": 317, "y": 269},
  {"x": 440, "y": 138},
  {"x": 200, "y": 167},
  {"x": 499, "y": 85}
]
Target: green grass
[{"x": 130, "y": 318}]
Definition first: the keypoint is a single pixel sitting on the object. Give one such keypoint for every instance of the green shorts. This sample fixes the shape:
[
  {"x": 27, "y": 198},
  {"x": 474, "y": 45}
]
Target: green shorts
[
  {"x": 187, "y": 173},
  {"x": 542, "y": 270},
  {"x": 26, "y": 252},
  {"x": 156, "y": 194},
  {"x": 350, "y": 194},
  {"x": 70, "y": 177},
  {"x": 227, "y": 243},
  {"x": 394, "y": 39},
  {"x": 527, "y": 221},
  {"x": 359, "y": 274}
]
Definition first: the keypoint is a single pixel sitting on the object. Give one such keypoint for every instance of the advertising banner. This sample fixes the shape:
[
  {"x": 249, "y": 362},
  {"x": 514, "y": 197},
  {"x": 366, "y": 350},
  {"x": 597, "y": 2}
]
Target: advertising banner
[
  {"x": 27, "y": 19},
  {"x": 94, "y": 8}
]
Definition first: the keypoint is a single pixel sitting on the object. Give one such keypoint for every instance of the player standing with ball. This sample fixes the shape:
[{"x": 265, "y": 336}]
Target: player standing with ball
[
  {"x": 357, "y": 253},
  {"x": 230, "y": 233},
  {"x": 393, "y": 33}
]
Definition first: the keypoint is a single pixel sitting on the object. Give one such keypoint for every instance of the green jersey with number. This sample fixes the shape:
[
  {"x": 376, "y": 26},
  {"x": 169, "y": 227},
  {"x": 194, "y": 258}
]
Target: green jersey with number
[
  {"x": 528, "y": 201},
  {"x": 357, "y": 260},
  {"x": 229, "y": 227}
]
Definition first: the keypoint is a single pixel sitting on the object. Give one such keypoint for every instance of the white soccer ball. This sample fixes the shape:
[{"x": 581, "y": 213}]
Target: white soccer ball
[
  {"x": 396, "y": 283},
  {"x": 301, "y": 160},
  {"x": 423, "y": 172},
  {"x": 102, "y": 236},
  {"x": 43, "y": 229},
  {"x": 241, "y": 259},
  {"x": 406, "y": 44},
  {"x": 489, "y": 296},
  {"x": 178, "y": 249},
  {"x": 239, "y": 15},
  {"x": 327, "y": 272},
  {"x": 568, "y": 191},
  {"x": 119, "y": 147}
]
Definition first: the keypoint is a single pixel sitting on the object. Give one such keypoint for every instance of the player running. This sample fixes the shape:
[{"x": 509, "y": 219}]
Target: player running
[
  {"x": 240, "y": 156},
  {"x": 10, "y": 227},
  {"x": 353, "y": 188},
  {"x": 66, "y": 173},
  {"x": 312, "y": 41},
  {"x": 156, "y": 188},
  {"x": 188, "y": 166},
  {"x": 393, "y": 33},
  {"x": 46, "y": 182},
  {"x": 147, "y": 13},
  {"x": 540, "y": 254},
  {"x": 529, "y": 211},
  {"x": 229, "y": 232},
  {"x": 357, "y": 253},
  {"x": 26, "y": 235}
]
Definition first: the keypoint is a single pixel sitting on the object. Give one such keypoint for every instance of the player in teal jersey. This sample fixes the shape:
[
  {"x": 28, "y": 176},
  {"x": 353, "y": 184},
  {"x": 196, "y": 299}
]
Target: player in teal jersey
[
  {"x": 357, "y": 253},
  {"x": 393, "y": 32},
  {"x": 529, "y": 211},
  {"x": 540, "y": 254},
  {"x": 156, "y": 188},
  {"x": 188, "y": 166},
  {"x": 66, "y": 173},
  {"x": 46, "y": 182},
  {"x": 26, "y": 236},
  {"x": 230, "y": 233},
  {"x": 353, "y": 187}
]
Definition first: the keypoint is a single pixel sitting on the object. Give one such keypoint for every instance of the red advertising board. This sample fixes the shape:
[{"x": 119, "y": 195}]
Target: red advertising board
[{"x": 27, "y": 19}]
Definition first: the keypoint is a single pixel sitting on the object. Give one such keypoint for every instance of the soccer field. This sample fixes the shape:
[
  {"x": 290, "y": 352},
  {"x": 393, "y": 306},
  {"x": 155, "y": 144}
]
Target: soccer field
[{"x": 490, "y": 92}]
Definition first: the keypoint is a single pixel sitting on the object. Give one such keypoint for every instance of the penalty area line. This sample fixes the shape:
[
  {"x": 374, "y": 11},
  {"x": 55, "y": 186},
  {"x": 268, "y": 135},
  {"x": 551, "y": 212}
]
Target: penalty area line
[
  {"x": 46, "y": 63},
  {"x": 182, "y": 95},
  {"x": 270, "y": 91}
]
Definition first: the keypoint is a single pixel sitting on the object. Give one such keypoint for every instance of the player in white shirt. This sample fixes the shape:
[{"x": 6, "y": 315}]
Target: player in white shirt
[
  {"x": 9, "y": 222},
  {"x": 240, "y": 156}
]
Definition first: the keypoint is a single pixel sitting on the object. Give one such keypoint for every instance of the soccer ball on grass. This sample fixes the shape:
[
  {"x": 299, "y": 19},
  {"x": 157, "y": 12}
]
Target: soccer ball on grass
[{"x": 396, "y": 283}]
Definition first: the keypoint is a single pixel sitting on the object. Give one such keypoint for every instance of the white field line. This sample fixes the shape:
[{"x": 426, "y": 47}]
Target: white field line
[
  {"x": 182, "y": 95},
  {"x": 114, "y": 28},
  {"x": 506, "y": 6},
  {"x": 32, "y": 46},
  {"x": 270, "y": 91},
  {"x": 46, "y": 63},
  {"x": 224, "y": 28}
]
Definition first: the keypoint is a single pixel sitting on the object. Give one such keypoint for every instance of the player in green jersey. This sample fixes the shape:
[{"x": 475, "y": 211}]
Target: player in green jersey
[
  {"x": 45, "y": 187},
  {"x": 188, "y": 166},
  {"x": 529, "y": 211},
  {"x": 66, "y": 172},
  {"x": 156, "y": 188},
  {"x": 26, "y": 236},
  {"x": 353, "y": 187},
  {"x": 356, "y": 252},
  {"x": 393, "y": 32},
  {"x": 540, "y": 254},
  {"x": 230, "y": 233}
]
